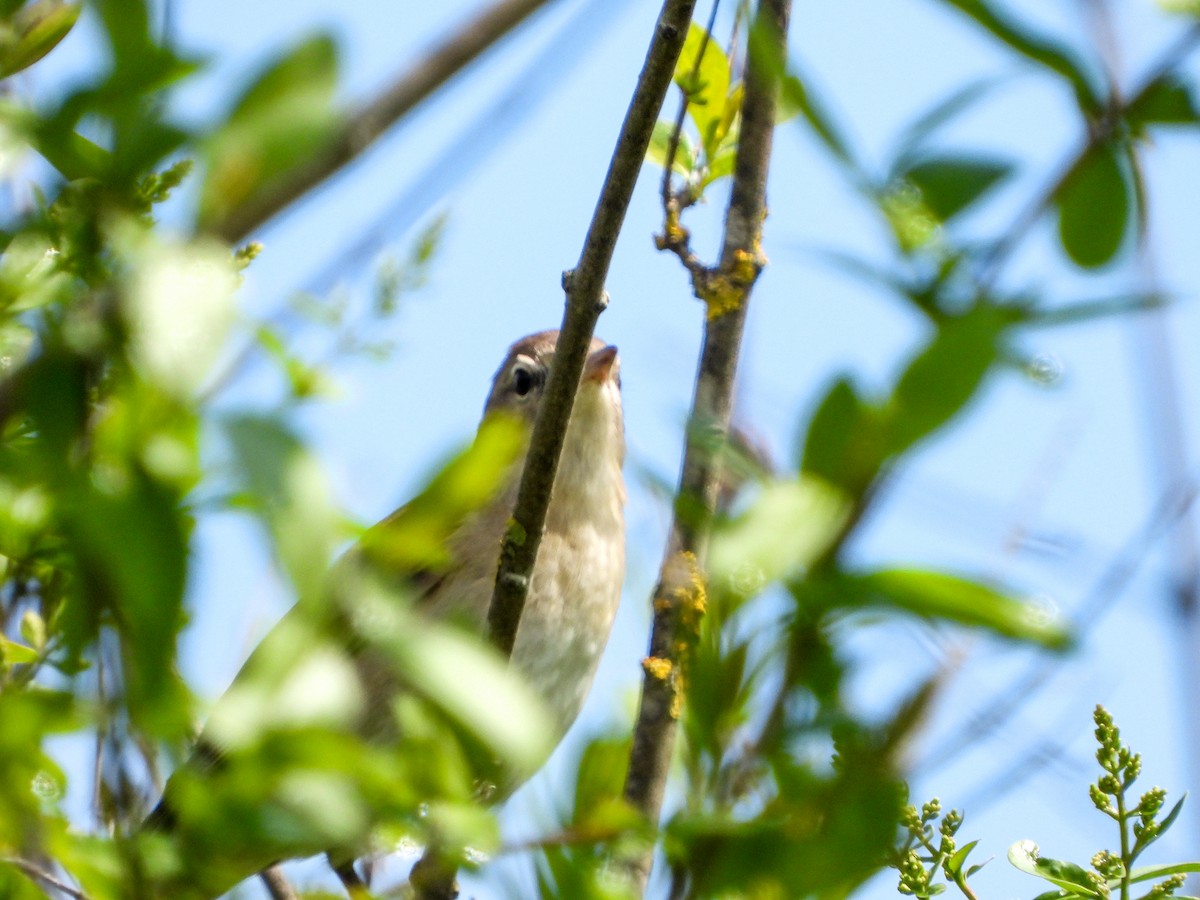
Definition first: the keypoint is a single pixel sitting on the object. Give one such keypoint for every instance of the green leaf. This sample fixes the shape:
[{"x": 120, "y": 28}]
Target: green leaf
[
  {"x": 33, "y": 629},
  {"x": 1165, "y": 101},
  {"x": 705, "y": 85},
  {"x": 956, "y": 861},
  {"x": 842, "y": 444},
  {"x": 940, "y": 595},
  {"x": 949, "y": 184},
  {"x": 599, "y": 780},
  {"x": 943, "y": 378},
  {"x": 289, "y": 491},
  {"x": 1093, "y": 208},
  {"x": 1163, "y": 826},
  {"x": 720, "y": 166},
  {"x": 788, "y": 526},
  {"x": 660, "y": 145},
  {"x": 12, "y": 653},
  {"x": 33, "y": 32},
  {"x": 282, "y": 120},
  {"x": 414, "y": 537},
  {"x": 1042, "y": 50},
  {"x": 1151, "y": 873},
  {"x": 800, "y": 95},
  {"x": 132, "y": 545},
  {"x": 1072, "y": 878}
]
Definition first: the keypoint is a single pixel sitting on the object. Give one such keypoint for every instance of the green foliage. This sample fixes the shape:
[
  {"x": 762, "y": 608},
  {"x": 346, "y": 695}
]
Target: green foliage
[
  {"x": 1044, "y": 51},
  {"x": 713, "y": 101},
  {"x": 111, "y": 332},
  {"x": 1138, "y": 826},
  {"x": 923, "y": 854},
  {"x": 1093, "y": 208},
  {"x": 919, "y": 853},
  {"x": 282, "y": 120},
  {"x": 29, "y": 33}
]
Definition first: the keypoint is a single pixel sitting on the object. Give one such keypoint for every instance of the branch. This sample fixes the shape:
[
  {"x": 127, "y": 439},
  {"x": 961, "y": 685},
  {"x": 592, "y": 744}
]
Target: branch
[
  {"x": 679, "y": 596},
  {"x": 40, "y": 874},
  {"x": 277, "y": 884},
  {"x": 363, "y": 128},
  {"x": 585, "y": 301}
]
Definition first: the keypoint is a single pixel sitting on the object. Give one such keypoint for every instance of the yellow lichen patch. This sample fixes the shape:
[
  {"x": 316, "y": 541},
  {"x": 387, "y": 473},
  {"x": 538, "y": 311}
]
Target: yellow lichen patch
[
  {"x": 676, "y": 709},
  {"x": 721, "y": 296},
  {"x": 657, "y": 667},
  {"x": 674, "y": 234},
  {"x": 725, "y": 291},
  {"x": 687, "y": 589}
]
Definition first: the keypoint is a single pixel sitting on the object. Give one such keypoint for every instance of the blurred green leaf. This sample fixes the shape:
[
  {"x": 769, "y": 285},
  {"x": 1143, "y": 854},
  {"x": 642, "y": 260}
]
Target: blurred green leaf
[
  {"x": 1043, "y": 50},
  {"x": 788, "y": 526},
  {"x": 132, "y": 545},
  {"x": 280, "y": 122},
  {"x": 799, "y": 94},
  {"x": 943, "y": 378},
  {"x": 1166, "y": 101},
  {"x": 415, "y": 537},
  {"x": 952, "y": 598},
  {"x": 704, "y": 80},
  {"x": 33, "y": 629},
  {"x": 600, "y": 777},
  {"x": 286, "y": 486},
  {"x": 949, "y": 184},
  {"x": 1093, "y": 208},
  {"x": 33, "y": 32},
  {"x": 660, "y": 146},
  {"x": 12, "y": 653},
  {"x": 475, "y": 686},
  {"x": 720, "y": 166},
  {"x": 842, "y": 443}
]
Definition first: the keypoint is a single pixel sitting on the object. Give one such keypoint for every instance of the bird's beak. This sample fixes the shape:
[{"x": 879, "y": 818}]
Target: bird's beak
[{"x": 601, "y": 365}]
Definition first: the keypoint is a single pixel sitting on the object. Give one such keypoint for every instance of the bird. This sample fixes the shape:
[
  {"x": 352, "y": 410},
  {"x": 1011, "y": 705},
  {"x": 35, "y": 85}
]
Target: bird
[{"x": 574, "y": 588}]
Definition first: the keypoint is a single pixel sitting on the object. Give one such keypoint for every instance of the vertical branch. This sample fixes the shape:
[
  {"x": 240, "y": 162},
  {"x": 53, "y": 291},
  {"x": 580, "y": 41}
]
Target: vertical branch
[
  {"x": 585, "y": 301},
  {"x": 679, "y": 596}
]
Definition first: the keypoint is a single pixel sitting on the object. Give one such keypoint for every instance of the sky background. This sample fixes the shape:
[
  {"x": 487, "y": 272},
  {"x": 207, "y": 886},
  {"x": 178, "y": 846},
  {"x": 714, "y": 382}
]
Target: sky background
[{"x": 1041, "y": 484}]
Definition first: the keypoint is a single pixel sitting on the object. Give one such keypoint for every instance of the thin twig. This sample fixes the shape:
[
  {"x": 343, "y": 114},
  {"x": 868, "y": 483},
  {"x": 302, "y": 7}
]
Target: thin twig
[
  {"x": 679, "y": 598},
  {"x": 439, "y": 65},
  {"x": 277, "y": 884},
  {"x": 585, "y": 301},
  {"x": 675, "y": 238},
  {"x": 40, "y": 874}
]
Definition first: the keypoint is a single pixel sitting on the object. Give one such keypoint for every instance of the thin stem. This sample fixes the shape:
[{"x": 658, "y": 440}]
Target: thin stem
[
  {"x": 1123, "y": 825},
  {"x": 678, "y": 601},
  {"x": 40, "y": 874},
  {"x": 585, "y": 301}
]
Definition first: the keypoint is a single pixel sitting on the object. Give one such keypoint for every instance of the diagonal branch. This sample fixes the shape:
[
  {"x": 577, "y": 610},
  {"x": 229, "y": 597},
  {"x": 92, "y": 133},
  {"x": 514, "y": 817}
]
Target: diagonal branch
[
  {"x": 438, "y": 66},
  {"x": 585, "y": 301},
  {"x": 679, "y": 596}
]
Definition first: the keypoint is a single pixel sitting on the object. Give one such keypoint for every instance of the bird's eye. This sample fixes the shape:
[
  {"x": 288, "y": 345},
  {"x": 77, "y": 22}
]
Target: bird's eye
[{"x": 522, "y": 381}]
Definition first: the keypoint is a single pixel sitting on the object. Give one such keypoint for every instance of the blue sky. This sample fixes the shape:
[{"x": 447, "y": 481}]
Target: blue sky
[{"x": 1068, "y": 463}]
